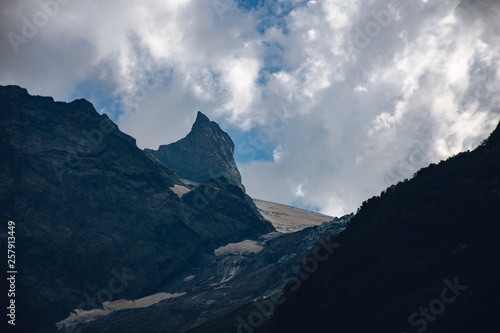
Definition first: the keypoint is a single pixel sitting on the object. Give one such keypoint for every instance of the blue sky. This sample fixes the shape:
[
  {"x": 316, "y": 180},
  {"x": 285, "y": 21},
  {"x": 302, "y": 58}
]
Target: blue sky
[{"x": 328, "y": 102}]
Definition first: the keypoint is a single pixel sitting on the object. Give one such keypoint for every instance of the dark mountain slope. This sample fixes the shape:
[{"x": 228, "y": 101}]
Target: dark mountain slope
[
  {"x": 92, "y": 209},
  {"x": 208, "y": 202},
  {"x": 444, "y": 224},
  {"x": 205, "y": 153},
  {"x": 220, "y": 283}
]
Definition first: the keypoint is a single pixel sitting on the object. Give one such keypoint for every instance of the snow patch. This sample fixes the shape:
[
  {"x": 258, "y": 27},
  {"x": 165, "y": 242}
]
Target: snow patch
[
  {"x": 179, "y": 190},
  {"x": 144, "y": 302},
  {"x": 79, "y": 316}
]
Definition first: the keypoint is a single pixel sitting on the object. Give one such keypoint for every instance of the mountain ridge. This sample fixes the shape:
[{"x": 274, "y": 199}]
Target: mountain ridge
[
  {"x": 433, "y": 235},
  {"x": 89, "y": 204}
]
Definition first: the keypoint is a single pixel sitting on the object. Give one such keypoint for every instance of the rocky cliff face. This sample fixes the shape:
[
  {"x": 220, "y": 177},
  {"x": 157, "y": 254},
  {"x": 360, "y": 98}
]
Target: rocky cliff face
[
  {"x": 96, "y": 218},
  {"x": 205, "y": 153}
]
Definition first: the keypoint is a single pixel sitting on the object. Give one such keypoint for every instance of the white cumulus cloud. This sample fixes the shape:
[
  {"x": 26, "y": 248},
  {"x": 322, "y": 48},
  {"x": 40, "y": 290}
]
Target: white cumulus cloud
[{"x": 347, "y": 97}]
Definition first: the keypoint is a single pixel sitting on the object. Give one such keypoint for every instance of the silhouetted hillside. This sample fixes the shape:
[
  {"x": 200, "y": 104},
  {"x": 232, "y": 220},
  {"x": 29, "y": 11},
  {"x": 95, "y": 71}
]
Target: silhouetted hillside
[{"x": 401, "y": 247}]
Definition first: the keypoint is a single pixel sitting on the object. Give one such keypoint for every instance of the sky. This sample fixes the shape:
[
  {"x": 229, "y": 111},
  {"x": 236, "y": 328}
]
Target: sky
[{"x": 328, "y": 102}]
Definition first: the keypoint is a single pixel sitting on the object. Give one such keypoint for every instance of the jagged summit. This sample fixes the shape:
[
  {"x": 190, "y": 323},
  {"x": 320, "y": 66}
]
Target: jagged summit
[
  {"x": 204, "y": 126},
  {"x": 205, "y": 153},
  {"x": 201, "y": 118}
]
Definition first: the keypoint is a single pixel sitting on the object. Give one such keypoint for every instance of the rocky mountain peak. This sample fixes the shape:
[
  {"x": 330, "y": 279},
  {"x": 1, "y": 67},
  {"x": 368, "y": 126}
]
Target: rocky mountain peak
[
  {"x": 205, "y": 153},
  {"x": 70, "y": 176},
  {"x": 201, "y": 119}
]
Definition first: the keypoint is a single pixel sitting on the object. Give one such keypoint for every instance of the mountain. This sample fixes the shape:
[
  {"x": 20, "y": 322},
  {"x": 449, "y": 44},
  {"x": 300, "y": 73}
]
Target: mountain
[
  {"x": 422, "y": 256},
  {"x": 96, "y": 218},
  {"x": 289, "y": 219},
  {"x": 218, "y": 284},
  {"x": 205, "y": 153},
  {"x": 107, "y": 228}
]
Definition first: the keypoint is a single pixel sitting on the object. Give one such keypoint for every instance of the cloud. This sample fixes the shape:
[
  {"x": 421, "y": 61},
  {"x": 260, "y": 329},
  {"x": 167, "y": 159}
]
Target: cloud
[
  {"x": 346, "y": 97},
  {"x": 390, "y": 95}
]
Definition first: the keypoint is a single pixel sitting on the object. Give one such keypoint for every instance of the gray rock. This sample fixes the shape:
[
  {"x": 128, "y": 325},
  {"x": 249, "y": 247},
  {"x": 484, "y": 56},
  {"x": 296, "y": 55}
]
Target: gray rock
[{"x": 205, "y": 153}]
